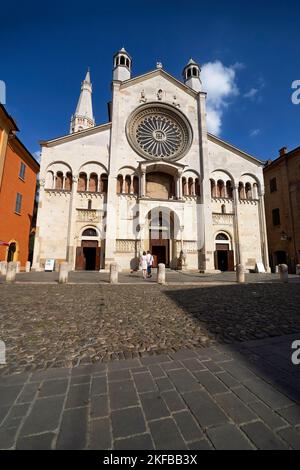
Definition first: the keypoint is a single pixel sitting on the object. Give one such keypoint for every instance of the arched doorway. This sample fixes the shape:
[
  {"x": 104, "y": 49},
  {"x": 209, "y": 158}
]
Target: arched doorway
[
  {"x": 88, "y": 255},
  {"x": 224, "y": 255},
  {"x": 163, "y": 227},
  {"x": 11, "y": 252}
]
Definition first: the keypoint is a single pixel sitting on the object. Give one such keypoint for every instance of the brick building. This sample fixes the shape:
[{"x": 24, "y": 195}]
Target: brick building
[
  {"x": 18, "y": 170},
  {"x": 282, "y": 202}
]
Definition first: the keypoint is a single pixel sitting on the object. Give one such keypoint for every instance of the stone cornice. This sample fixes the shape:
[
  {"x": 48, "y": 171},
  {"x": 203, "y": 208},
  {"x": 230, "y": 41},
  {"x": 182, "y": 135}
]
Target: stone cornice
[{"x": 75, "y": 135}]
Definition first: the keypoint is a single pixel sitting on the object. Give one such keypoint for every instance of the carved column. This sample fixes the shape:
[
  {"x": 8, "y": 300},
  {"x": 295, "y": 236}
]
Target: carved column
[{"x": 143, "y": 182}]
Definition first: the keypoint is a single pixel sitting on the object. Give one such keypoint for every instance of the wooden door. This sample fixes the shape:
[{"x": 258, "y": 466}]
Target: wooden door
[
  {"x": 230, "y": 255},
  {"x": 98, "y": 257},
  {"x": 80, "y": 259}
]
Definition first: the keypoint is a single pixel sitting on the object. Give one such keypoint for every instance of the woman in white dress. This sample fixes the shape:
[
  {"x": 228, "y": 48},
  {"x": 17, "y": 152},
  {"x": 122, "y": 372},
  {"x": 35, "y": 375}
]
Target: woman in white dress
[{"x": 144, "y": 264}]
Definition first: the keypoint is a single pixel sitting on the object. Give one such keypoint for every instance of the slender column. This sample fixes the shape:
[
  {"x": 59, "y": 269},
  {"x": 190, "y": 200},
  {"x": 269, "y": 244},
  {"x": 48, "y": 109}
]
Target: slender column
[
  {"x": 143, "y": 182},
  {"x": 131, "y": 185},
  {"x": 238, "y": 254},
  {"x": 263, "y": 231},
  {"x": 70, "y": 255}
]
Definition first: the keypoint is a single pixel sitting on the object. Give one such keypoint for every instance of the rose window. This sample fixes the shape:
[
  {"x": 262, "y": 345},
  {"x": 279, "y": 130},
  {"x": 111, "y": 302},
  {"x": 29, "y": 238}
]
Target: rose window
[{"x": 159, "y": 132}]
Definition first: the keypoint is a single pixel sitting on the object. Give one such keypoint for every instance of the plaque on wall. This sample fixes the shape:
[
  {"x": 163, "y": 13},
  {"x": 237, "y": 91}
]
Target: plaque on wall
[{"x": 49, "y": 265}]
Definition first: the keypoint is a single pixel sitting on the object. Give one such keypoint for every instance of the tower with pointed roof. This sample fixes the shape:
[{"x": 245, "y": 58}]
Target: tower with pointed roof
[
  {"x": 83, "y": 117},
  {"x": 191, "y": 75},
  {"x": 122, "y": 66}
]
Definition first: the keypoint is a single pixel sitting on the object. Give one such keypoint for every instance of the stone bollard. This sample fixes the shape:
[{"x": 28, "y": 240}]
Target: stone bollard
[
  {"x": 63, "y": 272},
  {"x": 18, "y": 266},
  {"x": 27, "y": 267},
  {"x": 284, "y": 273},
  {"x": 240, "y": 274},
  {"x": 161, "y": 274},
  {"x": 276, "y": 269},
  {"x": 3, "y": 268},
  {"x": 11, "y": 271},
  {"x": 113, "y": 274},
  {"x": 298, "y": 269}
]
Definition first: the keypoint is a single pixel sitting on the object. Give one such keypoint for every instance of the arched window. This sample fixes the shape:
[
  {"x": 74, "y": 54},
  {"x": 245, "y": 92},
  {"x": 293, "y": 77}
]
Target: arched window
[
  {"x": 248, "y": 191},
  {"x": 213, "y": 188},
  {"x": 197, "y": 187},
  {"x": 59, "y": 180},
  {"x": 191, "y": 187},
  {"x": 89, "y": 204},
  {"x": 93, "y": 183},
  {"x": 68, "y": 181},
  {"x": 122, "y": 60},
  {"x": 127, "y": 184},
  {"x": 135, "y": 185},
  {"x": 195, "y": 73},
  {"x": 104, "y": 183},
  {"x": 223, "y": 209},
  {"x": 184, "y": 186},
  {"x": 49, "y": 180},
  {"x": 89, "y": 232},
  {"x": 255, "y": 191},
  {"x": 127, "y": 62},
  {"x": 222, "y": 237},
  {"x": 229, "y": 190},
  {"x": 220, "y": 189},
  {"x": 82, "y": 182},
  {"x": 241, "y": 191},
  {"x": 189, "y": 73},
  {"x": 119, "y": 184}
]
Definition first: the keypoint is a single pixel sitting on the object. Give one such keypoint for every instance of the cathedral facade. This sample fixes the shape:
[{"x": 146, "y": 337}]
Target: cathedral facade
[{"x": 152, "y": 178}]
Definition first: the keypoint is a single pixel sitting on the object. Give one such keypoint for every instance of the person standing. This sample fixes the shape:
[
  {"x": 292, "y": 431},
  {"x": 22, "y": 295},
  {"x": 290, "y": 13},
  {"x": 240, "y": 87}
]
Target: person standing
[
  {"x": 149, "y": 263},
  {"x": 144, "y": 264}
]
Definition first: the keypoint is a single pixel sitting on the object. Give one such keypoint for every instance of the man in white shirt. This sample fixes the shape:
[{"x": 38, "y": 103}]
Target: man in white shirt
[{"x": 149, "y": 258}]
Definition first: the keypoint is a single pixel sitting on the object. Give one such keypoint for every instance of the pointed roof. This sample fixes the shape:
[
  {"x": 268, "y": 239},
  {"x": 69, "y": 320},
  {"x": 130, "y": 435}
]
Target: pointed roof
[{"x": 88, "y": 76}]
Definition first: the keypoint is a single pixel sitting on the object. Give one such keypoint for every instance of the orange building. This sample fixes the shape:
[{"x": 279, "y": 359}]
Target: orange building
[{"x": 18, "y": 170}]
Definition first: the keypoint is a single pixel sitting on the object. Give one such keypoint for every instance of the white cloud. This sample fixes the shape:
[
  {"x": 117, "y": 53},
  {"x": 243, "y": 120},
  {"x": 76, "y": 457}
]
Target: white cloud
[
  {"x": 251, "y": 93},
  {"x": 254, "y": 132},
  {"x": 219, "y": 82}
]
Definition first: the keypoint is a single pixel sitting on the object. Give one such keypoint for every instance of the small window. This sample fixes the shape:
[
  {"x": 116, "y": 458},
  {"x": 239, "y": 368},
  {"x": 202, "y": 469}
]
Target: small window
[
  {"x": 273, "y": 185},
  {"x": 276, "y": 216},
  {"x": 18, "y": 203},
  {"x": 89, "y": 232},
  {"x": 22, "y": 171},
  {"x": 89, "y": 204}
]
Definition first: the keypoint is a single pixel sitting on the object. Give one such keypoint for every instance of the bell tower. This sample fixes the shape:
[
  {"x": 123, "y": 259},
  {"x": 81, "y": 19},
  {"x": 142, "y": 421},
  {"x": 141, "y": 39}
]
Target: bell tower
[
  {"x": 122, "y": 66},
  {"x": 83, "y": 117},
  {"x": 191, "y": 75}
]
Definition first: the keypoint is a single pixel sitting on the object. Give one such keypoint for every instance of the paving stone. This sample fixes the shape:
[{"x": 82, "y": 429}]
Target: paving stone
[
  {"x": 53, "y": 387},
  {"x": 38, "y": 442},
  {"x": 159, "y": 359},
  {"x": 188, "y": 426},
  {"x": 53, "y": 373},
  {"x": 7, "y": 438},
  {"x": 210, "y": 382},
  {"x": 268, "y": 416},
  {"x": 78, "y": 395},
  {"x": 262, "y": 437},
  {"x": 144, "y": 382},
  {"x": 156, "y": 371},
  {"x": 193, "y": 364},
  {"x": 122, "y": 394},
  {"x": 267, "y": 393},
  {"x": 173, "y": 400},
  {"x": 213, "y": 367},
  {"x": 237, "y": 371},
  {"x": 153, "y": 405},
  {"x": 204, "y": 409},
  {"x": 172, "y": 365},
  {"x": 227, "y": 379},
  {"x": 15, "y": 379},
  {"x": 203, "y": 444},
  {"x": 138, "y": 370},
  {"x": 80, "y": 379},
  {"x": 228, "y": 437},
  {"x": 245, "y": 395},
  {"x": 164, "y": 384},
  {"x": 3, "y": 412},
  {"x": 44, "y": 416},
  {"x": 291, "y": 437},
  {"x": 183, "y": 380},
  {"x": 11, "y": 422},
  {"x": 99, "y": 386},
  {"x": 235, "y": 408},
  {"x": 118, "y": 375},
  {"x": 73, "y": 430},
  {"x": 291, "y": 414},
  {"x": 99, "y": 406},
  {"x": 28, "y": 393},
  {"x": 128, "y": 364},
  {"x": 127, "y": 422},
  {"x": 165, "y": 435},
  {"x": 184, "y": 354},
  {"x": 8, "y": 394},
  {"x": 18, "y": 411},
  {"x": 140, "y": 442},
  {"x": 100, "y": 434}
]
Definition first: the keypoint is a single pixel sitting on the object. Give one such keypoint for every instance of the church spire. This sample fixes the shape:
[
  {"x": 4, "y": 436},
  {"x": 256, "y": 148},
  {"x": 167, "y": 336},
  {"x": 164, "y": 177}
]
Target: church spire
[{"x": 83, "y": 117}]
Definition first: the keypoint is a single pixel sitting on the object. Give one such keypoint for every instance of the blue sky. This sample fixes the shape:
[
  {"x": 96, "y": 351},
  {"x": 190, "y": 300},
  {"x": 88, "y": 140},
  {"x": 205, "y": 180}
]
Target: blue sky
[{"x": 249, "y": 52}]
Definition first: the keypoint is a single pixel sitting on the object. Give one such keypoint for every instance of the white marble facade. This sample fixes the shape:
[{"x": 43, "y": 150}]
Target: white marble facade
[{"x": 151, "y": 178}]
